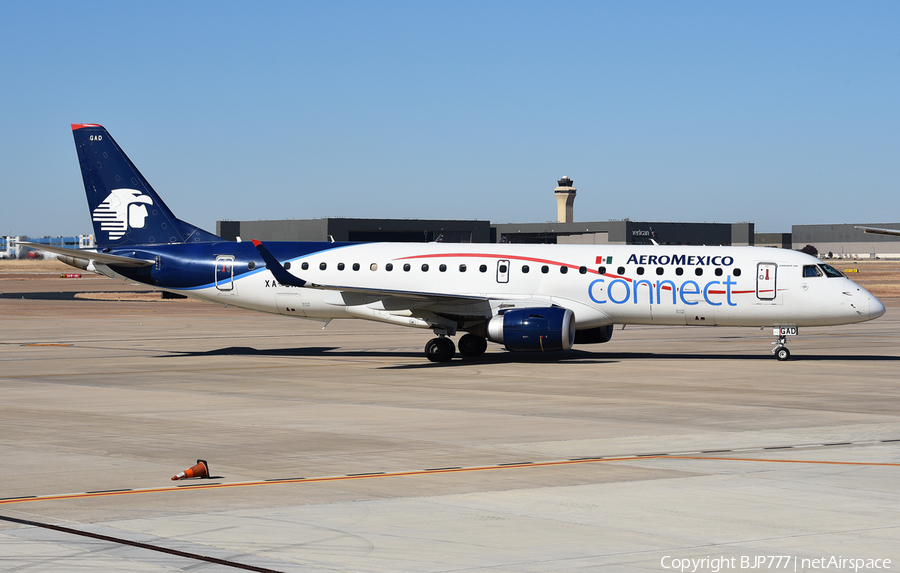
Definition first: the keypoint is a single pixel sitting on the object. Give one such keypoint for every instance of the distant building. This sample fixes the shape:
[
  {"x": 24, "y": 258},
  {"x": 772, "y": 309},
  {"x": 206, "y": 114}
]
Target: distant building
[
  {"x": 564, "y": 231},
  {"x": 10, "y": 249},
  {"x": 363, "y": 230},
  {"x": 627, "y": 233},
  {"x": 844, "y": 240},
  {"x": 779, "y": 240}
]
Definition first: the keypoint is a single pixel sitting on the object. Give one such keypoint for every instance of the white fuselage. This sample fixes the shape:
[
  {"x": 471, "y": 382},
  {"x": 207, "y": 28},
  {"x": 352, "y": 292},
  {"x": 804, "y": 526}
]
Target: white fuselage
[{"x": 426, "y": 285}]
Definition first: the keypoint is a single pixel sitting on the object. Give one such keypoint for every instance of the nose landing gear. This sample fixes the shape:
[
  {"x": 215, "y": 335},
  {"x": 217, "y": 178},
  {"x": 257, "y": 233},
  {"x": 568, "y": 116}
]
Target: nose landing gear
[{"x": 781, "y": 351}]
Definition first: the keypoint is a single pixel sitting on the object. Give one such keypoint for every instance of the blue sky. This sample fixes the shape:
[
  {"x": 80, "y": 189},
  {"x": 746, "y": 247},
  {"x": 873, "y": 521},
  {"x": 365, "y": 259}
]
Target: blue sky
[{"x": 778, "y": 113}]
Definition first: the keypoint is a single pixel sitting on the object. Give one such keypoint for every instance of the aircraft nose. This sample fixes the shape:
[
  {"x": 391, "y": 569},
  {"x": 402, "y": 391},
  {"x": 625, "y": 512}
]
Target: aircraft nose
[{"x": 876, "y": 308}]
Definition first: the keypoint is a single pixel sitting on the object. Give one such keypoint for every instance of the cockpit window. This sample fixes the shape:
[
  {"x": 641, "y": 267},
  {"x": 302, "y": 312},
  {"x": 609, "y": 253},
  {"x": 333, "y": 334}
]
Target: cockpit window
[
  {"x": 811, "y": 271},
  {"x": 830, "y": 271}
]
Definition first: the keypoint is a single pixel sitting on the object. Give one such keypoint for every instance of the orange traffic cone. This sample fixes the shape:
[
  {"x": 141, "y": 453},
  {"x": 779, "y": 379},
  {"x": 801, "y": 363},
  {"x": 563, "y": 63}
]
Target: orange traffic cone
[{"x": 201, "y": 470}]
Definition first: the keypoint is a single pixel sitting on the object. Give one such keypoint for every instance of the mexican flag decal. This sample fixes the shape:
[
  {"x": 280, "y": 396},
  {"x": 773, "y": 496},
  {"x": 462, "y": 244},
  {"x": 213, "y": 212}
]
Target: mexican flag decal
[{"x": 604, "y": 261}]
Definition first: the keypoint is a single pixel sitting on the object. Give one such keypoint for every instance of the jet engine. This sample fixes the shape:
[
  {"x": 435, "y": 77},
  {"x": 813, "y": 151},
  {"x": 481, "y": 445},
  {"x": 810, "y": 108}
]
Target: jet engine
[
  {"x": 534, "y": 329},
  {"x": 597, "y": 335}
]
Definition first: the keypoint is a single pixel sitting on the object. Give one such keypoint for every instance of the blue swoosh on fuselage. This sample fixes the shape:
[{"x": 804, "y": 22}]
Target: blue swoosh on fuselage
[{"x": 192, "y": 266}]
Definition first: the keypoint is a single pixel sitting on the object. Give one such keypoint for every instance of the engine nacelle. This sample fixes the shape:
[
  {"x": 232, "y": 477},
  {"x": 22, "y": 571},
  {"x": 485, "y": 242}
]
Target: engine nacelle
[
  {"x": 597, "y": 335},
  {"x": 534, "y": 329}
]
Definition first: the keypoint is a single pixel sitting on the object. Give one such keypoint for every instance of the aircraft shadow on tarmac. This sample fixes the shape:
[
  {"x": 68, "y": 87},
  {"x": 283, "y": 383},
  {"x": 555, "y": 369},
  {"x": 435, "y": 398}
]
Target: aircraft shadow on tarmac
[{"x": 573, "y": 356}]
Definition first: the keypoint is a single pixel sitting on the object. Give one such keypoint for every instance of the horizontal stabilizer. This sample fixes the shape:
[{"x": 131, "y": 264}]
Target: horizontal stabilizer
[{"x": 101, "y": 258}]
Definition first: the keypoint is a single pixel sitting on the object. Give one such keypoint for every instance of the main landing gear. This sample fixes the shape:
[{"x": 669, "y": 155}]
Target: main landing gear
[
  {"x": 471, "y": 345},
  {"x": 442, "y": 349}
]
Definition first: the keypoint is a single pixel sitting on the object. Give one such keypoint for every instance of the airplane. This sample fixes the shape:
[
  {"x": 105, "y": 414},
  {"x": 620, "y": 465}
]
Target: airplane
[
  {"x": 527, "y": 297},
  {"x": 878, "y": 231}
]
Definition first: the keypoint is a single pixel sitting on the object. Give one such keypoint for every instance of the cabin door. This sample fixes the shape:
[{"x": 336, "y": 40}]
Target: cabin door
[
  {"x": 766, "y": 288},
  {"x": 225, "y": 272}
]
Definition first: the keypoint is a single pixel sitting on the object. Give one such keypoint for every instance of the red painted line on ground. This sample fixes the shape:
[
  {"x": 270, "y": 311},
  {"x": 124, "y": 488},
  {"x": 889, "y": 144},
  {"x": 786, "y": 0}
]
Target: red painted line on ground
[
  {"x": 199, "y": 486},
  {"x": 825, "y": 462}
]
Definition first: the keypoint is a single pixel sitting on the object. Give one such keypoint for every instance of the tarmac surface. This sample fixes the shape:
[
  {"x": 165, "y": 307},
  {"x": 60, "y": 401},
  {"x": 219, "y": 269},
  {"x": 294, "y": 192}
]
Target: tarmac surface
[{"x": 344, "y": 449}]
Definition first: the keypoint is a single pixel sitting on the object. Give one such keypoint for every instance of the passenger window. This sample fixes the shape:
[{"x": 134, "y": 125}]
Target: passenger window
[
  {"x": 425, "y": 268},
  {"x": 679, "y": 271},
  {"x": 718, "y": 271},
  {"x": 304, "y": 266},
  {"x": 322, "y": 266},
  {"x": 373, "y": 267},
  {"x": 406, "y": 267},
  {"x": 545, "y": 269},
  {"x": 698, "y": 271},
  {"x": 525, "y": 269},
  {"x": 340, "y": 266},
  {"x": 287, "y": 266},
  {"x": 582, "y": 270},
  {"x": 483, "y": 268},
  {"x": 602, "y": 270},
  {"x": 355, "y": 266},
  {"x": 737, "y": 272},
  {"x": 442, "y": 268},
  {"x": 660, "y": 271},
  {"x": 563, "y": 269},
  {"x": 502, "y": 269},
  {"x": 640, "y": 270},
  {"x": 389, "y": 267},
  {"x": 251, "y": 265},
  {"x": 620, "y": 271},
  {"x": 810, "y": 271},
  {"x": 462, "y": 268}
]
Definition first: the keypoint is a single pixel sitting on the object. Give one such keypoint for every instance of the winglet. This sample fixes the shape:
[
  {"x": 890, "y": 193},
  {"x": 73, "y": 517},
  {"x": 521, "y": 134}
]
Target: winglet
[{"x": 278, "y": 271}]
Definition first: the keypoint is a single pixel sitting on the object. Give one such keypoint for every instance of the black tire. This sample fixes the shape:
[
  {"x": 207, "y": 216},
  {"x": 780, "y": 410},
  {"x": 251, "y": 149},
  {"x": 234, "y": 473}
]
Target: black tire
[
  {"x": 782, "y": 353},
  {"x": 449, "y": 349},
  {"x": 440, "y": 350},
  {"x": 433, "y": 350},
  {"x": 471, "y": 345}
]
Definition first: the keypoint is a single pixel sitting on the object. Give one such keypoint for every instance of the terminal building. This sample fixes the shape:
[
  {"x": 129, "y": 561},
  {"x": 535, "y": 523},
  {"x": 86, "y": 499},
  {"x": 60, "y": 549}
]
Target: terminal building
[
  {"x": 846, "y": 241},
  {"x": 361, "y": 230},
  {"x": 564, "y": 231}
]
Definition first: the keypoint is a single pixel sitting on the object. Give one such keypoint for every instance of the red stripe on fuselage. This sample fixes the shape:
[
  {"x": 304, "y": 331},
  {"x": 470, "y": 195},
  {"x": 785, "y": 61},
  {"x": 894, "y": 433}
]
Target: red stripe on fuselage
[{"x": 550, "y": 262}]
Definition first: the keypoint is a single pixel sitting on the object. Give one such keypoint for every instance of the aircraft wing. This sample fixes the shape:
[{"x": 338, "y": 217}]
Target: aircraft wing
[
  {"x": 403, "y": 294},
  {"x": 877, "y": 231},
  {"x": 286, "y": 278},
  {"x": 103, "y": 258}
]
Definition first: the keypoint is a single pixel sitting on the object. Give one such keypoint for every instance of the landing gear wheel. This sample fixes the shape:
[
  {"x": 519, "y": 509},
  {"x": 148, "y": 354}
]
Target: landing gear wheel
[
  {"x": 782, "y": 353},
  {"x": 440, "y": 350},
  {"x": 471, "y": 345}
]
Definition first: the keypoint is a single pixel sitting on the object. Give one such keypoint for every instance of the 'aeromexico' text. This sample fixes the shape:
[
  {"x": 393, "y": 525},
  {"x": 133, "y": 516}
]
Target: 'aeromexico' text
[{"x": 687, "y": 260}]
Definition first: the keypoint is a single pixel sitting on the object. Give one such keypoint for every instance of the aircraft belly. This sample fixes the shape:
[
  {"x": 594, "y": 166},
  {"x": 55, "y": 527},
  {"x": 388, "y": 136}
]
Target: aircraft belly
[
  {"x": 670, "y": 315},
  {"x": 290, "y": 304}
]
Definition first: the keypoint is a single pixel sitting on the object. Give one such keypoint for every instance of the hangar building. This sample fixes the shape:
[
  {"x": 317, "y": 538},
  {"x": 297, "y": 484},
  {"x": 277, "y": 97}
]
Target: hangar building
[
  {"x": 564, "y": 231},
  {"x": 363, "y": 230},
  {"x": 847, "y": 241}
]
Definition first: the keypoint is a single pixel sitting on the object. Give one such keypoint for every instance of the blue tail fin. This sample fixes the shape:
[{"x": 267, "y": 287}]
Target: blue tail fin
[{"x": 124, "y": 207}]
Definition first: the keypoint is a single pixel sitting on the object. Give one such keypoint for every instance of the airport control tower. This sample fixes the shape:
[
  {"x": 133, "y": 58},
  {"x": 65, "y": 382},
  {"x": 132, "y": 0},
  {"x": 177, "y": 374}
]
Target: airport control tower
[{"x": 565, "y": 199}]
